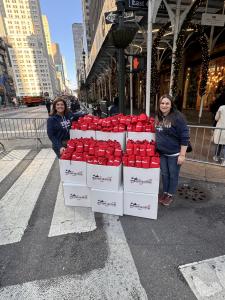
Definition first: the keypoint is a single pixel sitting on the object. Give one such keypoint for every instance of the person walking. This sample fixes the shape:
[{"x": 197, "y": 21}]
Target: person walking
[
  {"x": 58, "y": 125},
  {"x": 172, "y": 137},
  {"x": 114, "y": 109},
  {"x": 48, "y": 102},
  {"x": 219, "y": 136}
]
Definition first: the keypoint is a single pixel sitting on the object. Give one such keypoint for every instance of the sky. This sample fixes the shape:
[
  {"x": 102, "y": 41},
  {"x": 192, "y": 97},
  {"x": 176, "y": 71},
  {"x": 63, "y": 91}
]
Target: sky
[{"x": 61, "y": 15}]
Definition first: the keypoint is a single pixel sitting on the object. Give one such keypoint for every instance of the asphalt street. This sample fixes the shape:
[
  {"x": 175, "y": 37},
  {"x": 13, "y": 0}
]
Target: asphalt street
[{"x": 48, "y": 251}]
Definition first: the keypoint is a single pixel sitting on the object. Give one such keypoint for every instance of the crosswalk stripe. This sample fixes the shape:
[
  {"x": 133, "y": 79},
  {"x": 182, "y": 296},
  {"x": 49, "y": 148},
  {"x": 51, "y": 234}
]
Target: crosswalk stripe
[
  {"x": 119, "y": 278},
  {"x": 206, "y": 278},
  {"x": 70, "y": 219},
  {"x": 18, "y": 203},
  {"x": 10, "y": 161}
]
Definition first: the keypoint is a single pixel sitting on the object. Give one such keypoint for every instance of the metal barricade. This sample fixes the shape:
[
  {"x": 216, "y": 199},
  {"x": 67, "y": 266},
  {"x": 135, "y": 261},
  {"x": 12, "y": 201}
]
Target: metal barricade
[
  {"x": 23, "y": 128},
  {"x": 205, "y": 149}
]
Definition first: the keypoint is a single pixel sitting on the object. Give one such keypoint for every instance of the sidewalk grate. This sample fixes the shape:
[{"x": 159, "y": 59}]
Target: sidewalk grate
[{"x": 192, "y": 193}]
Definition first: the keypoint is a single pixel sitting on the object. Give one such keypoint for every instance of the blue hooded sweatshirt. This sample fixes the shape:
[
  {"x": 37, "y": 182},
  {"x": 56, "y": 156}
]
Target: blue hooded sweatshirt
[
  {"x": 58, "y": 128},
  {"x": 171, "y": 133}
]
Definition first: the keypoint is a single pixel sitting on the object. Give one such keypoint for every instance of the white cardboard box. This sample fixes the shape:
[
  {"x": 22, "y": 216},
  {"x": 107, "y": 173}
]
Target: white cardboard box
[
  {"x": 140, "y": 136},
  {"x": 76, "y": 134},
  {"x": 76, "y": 195},
  {"x": 140, "y": 180},
  {"x": 73, "y": 171},
  {"x": 141, "y": 205},
  {"x": 104, "y": 177},
  {"x": 109, "y": 202},
  {"x": 117, "y": 136}
]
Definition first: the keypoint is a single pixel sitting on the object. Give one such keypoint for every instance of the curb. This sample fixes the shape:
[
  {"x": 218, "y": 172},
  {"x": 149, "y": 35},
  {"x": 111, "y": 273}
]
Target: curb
[{"x": 202, "y": 171}]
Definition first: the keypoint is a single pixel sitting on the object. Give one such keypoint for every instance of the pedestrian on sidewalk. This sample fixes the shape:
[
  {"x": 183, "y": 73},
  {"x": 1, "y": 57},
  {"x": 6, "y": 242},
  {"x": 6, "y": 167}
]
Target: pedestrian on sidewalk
[
  {"x": 219, "y": 136},
  {"x": 59, "y": 123},
  {"x": 48, "y": 102},
  {"x": 172, "y": 137}
]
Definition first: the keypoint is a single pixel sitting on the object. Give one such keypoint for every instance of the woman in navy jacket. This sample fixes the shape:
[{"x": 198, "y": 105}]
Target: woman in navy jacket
[
  {"x": 58, "y": 125},
  {"x": 172, "y": 137}
]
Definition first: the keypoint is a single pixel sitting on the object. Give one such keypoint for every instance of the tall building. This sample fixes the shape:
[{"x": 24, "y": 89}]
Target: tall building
[
  {"x": 78, "y": 32},
  {"x": 86, "y": 25},
  {"x": 50, "y": 54},
  {"x": 58, "y": 62},
  {"x": 7, "y": 90},
  {"x": 94, "y": 10},
  {"x": 24, "y": 31}
]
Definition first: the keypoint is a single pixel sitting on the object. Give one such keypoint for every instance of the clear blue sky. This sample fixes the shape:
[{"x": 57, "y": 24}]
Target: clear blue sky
[{"x": 61, "y": 15}]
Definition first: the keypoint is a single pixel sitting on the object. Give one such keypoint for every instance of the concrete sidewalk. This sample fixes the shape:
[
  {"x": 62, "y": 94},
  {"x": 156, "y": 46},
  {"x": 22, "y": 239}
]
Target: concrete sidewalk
[{"x": 203, "y": 171}]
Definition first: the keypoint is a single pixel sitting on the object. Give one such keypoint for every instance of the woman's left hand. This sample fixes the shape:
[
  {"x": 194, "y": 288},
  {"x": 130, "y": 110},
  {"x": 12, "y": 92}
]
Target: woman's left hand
[{"x": 181, "y": 159}]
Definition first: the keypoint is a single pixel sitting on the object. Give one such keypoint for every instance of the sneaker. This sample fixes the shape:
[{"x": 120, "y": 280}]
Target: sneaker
[
  {"x": 167, "y": 200},
  {"x": 162, "y": 197},
  {"x": 215, "y": 158},
  {"x": 223, "y": 163}
]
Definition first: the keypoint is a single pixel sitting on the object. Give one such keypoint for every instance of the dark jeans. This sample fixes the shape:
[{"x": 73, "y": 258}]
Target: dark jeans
[
  {"x": 220, "y": 151},
  {"x": 170, "y": 173}
]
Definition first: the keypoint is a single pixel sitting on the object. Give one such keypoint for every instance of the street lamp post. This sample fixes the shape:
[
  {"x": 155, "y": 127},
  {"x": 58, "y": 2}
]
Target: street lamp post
[{"x": 85, "y": 77}]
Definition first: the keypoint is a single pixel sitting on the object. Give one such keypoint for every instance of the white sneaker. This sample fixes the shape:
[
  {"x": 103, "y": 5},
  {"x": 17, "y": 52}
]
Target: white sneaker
[
  {"x": 215, "y": 158},
  {"x": 223, "y": 163}
]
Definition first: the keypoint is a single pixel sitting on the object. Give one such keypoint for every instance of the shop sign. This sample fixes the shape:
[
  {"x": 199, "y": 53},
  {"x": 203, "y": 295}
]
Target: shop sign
[
  {"x": 111, "y": 17},
  {"x": 137, "y": 4},
  {"x": 213, "y": 19}
]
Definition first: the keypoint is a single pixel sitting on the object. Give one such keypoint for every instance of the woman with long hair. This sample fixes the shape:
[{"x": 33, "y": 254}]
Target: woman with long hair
[
  {"x": 58, "y": 125},
  {"x": 172, "y": 137}
]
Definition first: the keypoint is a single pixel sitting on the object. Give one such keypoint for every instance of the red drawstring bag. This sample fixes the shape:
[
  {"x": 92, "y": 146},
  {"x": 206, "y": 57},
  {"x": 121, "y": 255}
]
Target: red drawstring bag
[
  {"x": 150, "y": 151},
  {"x": 155, "y": 162},
  {"x": 138, "y": 163},
  {"x": 139, "y": 127},
  {"x": 66, "y": 156},
  {"x": 145, "y": 162}
]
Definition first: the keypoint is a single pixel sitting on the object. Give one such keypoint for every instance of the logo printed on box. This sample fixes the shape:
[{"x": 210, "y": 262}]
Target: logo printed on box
[
  {"x": 101, "y": 179},
  {"x": 140, "y": 181},
  {"x": 104, "y": 203},
  {"x": 70, "y": 172},
  {"x": 140, "y": 207},
  {"x": 78, "y": 197}
]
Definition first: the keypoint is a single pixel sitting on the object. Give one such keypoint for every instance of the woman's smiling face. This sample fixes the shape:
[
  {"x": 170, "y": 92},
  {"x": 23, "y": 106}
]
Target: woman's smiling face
[
  {"x": 165, "y": 106},
  {"x": 60, "y": 107}
]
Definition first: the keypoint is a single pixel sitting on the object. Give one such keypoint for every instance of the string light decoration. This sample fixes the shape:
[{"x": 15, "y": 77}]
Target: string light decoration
[
  {"x": 180, "y": 44},
  {"x": 155, "y": 73}
]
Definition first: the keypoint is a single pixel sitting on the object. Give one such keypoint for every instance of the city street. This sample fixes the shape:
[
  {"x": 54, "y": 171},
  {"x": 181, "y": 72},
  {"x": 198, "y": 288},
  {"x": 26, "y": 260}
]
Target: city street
[{"x": 49, "y": 251}]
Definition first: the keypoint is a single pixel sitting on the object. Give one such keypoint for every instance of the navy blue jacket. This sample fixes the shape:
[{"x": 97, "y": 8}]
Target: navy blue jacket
[
  {"x": 58, "y": 128},
  {"x": 171, "y": 133}
]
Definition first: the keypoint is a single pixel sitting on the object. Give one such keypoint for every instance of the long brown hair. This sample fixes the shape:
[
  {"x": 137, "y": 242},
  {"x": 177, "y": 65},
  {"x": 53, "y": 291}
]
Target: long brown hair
[{"x": 59, "y": 99}]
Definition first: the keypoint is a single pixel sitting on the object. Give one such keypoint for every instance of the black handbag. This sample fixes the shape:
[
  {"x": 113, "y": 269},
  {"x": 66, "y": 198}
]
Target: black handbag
[{"x": 189, "y": 147}]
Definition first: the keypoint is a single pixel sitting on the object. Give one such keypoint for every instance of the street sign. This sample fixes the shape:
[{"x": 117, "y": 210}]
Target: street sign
[
  {"x": 213, "y": 19},
  {"x": 137, "y": 4},
  {"x": 111, "y": 17}
]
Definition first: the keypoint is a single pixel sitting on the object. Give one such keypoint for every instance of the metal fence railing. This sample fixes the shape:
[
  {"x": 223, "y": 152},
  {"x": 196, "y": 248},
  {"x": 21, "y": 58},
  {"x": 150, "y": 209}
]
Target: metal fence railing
[
  {"x": 201, "y": 137},
  {"x": 204, "y": 148},
  {"x": 23, "y": 128}
]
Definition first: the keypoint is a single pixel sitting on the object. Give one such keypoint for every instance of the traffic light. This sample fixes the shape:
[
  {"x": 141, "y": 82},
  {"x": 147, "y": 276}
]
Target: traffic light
[{"x": 138, "y": 63}]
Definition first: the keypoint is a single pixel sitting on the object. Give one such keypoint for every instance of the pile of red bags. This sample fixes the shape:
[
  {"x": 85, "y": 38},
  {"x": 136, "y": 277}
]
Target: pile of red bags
[
  {"x": 117, "y": 123},
  {"x": 141, "y": 154},
  {"x": 108, "y": 153},
  {"x": 141, "y": 123}
]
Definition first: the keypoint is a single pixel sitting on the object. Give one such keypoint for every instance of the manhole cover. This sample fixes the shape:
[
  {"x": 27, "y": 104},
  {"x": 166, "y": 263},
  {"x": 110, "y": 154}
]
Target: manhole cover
[{"x": 192, "y": 193}]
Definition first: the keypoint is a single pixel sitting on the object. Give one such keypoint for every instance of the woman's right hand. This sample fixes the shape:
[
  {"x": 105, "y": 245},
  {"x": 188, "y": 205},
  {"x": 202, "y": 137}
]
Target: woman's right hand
[{"x": 62, "y": 149}]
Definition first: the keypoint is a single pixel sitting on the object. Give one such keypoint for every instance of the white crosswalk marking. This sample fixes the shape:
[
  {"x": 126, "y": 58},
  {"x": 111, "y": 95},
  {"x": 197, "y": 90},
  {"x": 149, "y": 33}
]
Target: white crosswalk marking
[
  {"x": 10, "y": 161},
  {"x": 119, "y": 278},
  {"x": 18, "y": 203},
  {"x": 70, "y": 219},
  {"x": 206, "y": 278}
]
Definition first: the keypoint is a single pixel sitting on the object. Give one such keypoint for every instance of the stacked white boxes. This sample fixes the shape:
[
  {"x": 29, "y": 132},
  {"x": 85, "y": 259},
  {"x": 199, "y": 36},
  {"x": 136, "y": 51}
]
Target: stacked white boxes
[
  {"x": 141, "y": 187},
  {"x": 114, "y": 136},
  {"x": 106, "y": 188},
  {"x": 77, "y": 133},
  {"x": 74, "y": 177},
  {"x": 140, "y": 136}
]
